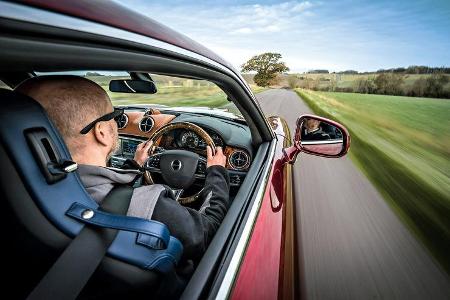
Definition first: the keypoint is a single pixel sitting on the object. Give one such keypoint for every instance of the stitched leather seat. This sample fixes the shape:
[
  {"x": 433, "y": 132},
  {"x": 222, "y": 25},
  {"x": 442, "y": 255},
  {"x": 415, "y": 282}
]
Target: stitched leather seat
[{"x": 35, "y": 225}]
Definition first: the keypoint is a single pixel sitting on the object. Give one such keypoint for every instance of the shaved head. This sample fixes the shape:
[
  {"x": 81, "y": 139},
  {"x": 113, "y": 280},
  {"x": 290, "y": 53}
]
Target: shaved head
[{"x": 71, "y": 102}]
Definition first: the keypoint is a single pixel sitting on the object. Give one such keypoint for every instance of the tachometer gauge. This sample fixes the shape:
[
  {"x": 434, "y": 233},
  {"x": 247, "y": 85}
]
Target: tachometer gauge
[
  {"x": 189, "y": 139},
  {"x": 217, "y": 140}
]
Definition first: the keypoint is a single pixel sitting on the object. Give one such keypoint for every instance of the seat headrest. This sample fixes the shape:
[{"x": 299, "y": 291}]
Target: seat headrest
[
  {"x": 25, "y": 119},
  {"x": 28, "y": 137}
]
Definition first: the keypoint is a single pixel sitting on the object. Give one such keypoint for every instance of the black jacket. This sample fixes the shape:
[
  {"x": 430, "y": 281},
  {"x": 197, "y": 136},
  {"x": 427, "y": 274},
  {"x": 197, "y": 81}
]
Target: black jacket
[{"x": 194, "y": 228}]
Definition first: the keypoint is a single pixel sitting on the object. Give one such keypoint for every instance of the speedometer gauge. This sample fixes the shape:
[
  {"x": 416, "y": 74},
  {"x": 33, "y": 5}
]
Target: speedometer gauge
[{"x": 189, "y": 139}]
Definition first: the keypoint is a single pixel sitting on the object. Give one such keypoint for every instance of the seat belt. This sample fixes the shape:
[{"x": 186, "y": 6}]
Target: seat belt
[{"x": 70, "y": 273}]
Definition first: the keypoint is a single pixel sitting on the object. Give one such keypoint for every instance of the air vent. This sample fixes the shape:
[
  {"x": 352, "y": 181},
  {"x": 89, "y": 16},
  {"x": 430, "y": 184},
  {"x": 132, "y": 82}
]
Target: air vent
[
  {"x": 146, "y": 124},
  {"x": 239, "y": 160},
  {"x": 122, "y": 121},
  {"x": 149, "y": 112}
]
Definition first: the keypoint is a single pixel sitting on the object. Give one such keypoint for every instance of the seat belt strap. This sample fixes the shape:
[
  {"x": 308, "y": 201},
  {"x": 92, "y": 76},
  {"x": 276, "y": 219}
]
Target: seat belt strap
[
  {"x": 72, "y": 270},
  {"x": 153, "y": 234}
]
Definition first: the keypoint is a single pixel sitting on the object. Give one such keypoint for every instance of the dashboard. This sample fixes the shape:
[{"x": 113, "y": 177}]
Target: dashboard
[
  {"x": 224, "y": 135},
  {"x": 189, "y": 140}
]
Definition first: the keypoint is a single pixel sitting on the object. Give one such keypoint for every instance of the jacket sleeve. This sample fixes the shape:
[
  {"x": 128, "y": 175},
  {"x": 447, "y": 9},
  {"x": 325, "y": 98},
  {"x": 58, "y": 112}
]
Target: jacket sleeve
[
  {"x": 131, "y": 164},
  {"x": 195, "y": 229}
]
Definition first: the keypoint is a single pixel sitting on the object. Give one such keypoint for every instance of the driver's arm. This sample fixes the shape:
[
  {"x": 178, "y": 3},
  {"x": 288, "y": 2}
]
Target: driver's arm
[
  {"x": 140, "y": 156},
  {"x": 195, "y": 229}
]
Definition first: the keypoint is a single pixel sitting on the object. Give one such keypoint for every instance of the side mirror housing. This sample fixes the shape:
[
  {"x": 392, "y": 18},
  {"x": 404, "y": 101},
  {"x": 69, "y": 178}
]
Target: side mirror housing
[{"x": 318, "y": 136}]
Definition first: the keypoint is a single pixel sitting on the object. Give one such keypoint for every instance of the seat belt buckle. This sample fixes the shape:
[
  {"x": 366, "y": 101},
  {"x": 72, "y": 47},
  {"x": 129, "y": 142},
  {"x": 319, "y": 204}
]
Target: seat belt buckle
[{"x": 62, "y": 167}]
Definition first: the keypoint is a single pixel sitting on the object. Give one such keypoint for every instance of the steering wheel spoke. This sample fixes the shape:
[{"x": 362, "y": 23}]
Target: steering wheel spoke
[
  {"x": 178, "y": 168},
  {"x": 153, "y": 163},
  {"x": 200, "y": 172}
]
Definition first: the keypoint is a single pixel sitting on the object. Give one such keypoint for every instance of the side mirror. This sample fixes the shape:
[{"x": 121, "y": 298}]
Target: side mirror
[
  {"x": 318, "y": 136},
  {"x": 132, "y": 86}
]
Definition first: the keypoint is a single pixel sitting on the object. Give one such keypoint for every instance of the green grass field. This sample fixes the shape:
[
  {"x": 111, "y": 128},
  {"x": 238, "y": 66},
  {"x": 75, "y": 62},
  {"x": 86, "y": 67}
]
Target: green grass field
[
  {"x": 172, "y": 92},
  {"x": 403, "y": 145}
]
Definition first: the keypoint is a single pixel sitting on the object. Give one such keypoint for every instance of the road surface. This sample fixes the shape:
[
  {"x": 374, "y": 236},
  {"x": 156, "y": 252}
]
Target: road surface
[{"x": 352, "y": 245}]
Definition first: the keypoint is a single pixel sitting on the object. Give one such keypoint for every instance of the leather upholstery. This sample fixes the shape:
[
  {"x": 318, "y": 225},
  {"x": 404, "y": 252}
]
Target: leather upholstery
[{"x": 20, "y": 114}]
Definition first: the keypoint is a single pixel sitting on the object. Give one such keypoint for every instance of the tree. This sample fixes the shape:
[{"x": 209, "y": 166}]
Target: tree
[
  {"x": 348, "y": 72},
  {"x": 320, "y": 71},
  {"x": 267, "y": 66},
  {"x": 431, "y": 86},
  {"x": 418, "y": 88},
  {"x": 389, "y": 84},
  {"x": 93, "y": 74},
  {"x": 364, "y": 86},
  {"x": 435, "y": 85}
]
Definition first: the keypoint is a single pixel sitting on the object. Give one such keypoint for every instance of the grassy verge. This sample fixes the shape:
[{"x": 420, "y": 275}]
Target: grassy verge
[
  {"x": 402, "y": 144},
  {"x": 172, "y": 91},
  {"x": 208, "y": 96}
]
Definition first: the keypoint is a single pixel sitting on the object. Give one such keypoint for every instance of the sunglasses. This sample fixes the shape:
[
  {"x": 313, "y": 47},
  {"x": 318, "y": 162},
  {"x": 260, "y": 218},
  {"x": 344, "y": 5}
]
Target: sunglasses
[{"x": 116, "y": 114}]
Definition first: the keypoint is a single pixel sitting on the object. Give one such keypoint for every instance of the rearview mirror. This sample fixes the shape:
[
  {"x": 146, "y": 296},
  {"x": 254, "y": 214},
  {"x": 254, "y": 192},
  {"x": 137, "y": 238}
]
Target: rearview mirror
[
  {"x": 318, "y": 136},
  {"x": 132, "y": 86}
]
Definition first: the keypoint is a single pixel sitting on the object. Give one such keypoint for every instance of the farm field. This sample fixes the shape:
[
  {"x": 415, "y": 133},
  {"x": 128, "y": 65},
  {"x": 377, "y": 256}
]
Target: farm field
[
  {"x": 338, "y": 82},
  {"x": 349, "y": 80},
  {"x": 172, "y": 92},
  {"x": 402, "y": 144}
]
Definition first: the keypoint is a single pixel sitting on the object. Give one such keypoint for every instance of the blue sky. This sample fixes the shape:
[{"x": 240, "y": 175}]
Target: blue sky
[{"x": 336, "y": 35}]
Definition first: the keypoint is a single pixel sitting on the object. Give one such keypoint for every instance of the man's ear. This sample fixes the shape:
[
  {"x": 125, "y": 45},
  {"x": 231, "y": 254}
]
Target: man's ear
[{"x": 101, "y": 133}]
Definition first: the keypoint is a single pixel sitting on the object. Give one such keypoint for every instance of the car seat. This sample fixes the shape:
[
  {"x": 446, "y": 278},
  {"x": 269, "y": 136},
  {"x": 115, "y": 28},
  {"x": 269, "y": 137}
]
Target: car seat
[{"x": 36, "y": 199}]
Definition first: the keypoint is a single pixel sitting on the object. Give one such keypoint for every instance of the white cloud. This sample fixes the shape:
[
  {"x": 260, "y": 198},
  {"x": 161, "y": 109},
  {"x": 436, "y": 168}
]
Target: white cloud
[
  {"x": 309, "y": 34},
  {"x": 244, "y": 30},
  {"x": 235, "y": 32},
  {"x": 300, "y": 7}
]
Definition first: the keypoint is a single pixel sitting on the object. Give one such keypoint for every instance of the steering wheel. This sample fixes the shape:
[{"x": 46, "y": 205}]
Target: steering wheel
[{"x": 178, "y": 168}]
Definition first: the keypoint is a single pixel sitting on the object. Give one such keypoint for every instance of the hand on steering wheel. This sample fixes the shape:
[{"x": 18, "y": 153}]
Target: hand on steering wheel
[
  {"x": 142, "y": 150},
  {"x": 179, "y": 168},
  {"x": 217, "y": 159}
]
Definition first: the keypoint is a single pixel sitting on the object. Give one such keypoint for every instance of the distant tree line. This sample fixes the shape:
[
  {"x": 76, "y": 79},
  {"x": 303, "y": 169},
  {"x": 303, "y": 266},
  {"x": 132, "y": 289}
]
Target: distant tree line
[
  {"x": 434, "y": 85},
  {"x": 318, "y": 72},
  {"x": 401, "y": 70},
  {"x": 93, "y": 74},
  {"x": 348, "y": 72},
  {"x": 393, "y": 84},
  {"x": 417, "y": 70}
]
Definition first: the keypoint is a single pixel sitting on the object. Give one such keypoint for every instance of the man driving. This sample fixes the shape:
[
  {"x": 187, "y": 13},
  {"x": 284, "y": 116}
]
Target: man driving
[
  {"x": 312, "y": 131},
  {"x": 84, "y": 116}
]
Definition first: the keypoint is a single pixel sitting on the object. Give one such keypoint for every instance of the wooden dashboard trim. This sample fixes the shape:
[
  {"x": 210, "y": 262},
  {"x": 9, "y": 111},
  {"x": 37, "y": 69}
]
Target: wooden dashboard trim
[
  {"x": 132, "y": 128},
  {"x": 135, "y": 117},
  {"x": 228, "y": 151}
]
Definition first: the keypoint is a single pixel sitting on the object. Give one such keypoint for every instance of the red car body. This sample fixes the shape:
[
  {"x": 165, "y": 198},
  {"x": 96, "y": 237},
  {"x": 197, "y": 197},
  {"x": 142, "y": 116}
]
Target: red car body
[{"x": 265, "y": 263}]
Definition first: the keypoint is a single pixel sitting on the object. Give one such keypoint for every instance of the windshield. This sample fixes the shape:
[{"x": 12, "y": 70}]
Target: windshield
[{"x": 172, "y": 91}]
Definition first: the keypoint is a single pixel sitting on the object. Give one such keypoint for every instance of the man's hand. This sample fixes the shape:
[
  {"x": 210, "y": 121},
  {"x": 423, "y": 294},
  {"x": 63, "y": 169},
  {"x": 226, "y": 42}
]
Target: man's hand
[
  {"x": 141, "y": 154},
  {"x": 219, "y": 159}
]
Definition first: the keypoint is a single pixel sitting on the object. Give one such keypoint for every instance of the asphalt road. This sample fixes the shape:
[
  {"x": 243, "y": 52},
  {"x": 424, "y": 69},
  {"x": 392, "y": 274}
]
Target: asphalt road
[{"x": 352, "y": 245}]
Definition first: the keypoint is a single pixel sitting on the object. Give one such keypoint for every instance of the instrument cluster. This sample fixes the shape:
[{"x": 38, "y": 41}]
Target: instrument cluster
[{"x": 190, "y": 140}]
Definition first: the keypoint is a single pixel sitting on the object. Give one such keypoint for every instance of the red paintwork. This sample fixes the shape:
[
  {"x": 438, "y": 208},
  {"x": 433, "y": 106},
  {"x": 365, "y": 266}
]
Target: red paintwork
[
  {"x": 290, "y": 153},
  {"x": 116, "y": 15},
  {"x": 261, "y": 272},
  {"x": 260, "y": 275}
]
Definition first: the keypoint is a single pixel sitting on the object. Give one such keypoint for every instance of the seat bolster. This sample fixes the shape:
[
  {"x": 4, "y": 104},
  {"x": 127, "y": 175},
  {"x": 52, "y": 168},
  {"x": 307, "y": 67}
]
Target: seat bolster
[{"x": 21, "y": 114}]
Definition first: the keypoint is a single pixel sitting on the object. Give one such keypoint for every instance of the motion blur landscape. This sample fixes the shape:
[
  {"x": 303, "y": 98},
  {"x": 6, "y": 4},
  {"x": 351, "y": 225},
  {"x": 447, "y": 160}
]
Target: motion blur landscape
[
  {"x": 382, "y": 69},
  {"x": 401, "y": 143}
]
